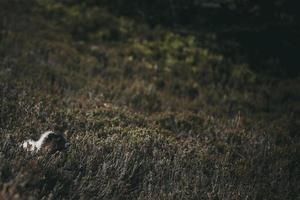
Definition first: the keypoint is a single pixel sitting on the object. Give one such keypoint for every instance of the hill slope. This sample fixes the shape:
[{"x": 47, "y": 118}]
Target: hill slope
[{"x": 150, "y": 113}]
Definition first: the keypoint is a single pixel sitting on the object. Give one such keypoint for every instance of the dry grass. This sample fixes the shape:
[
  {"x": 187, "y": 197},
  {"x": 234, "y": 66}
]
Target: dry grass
[{"x": 145, "y": 120}]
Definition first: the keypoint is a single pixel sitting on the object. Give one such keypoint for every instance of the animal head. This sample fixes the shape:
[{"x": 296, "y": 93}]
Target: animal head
[{"x": 54, "y": 142}]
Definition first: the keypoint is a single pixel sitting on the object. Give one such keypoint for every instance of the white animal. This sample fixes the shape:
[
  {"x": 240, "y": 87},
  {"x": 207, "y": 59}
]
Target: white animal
[{"x": 48, "y": 140}]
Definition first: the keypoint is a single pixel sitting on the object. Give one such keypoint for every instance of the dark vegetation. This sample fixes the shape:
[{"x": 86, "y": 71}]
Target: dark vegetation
[
  {"x": 152, "y": 111},
  {"x": 261, "y": 33}
]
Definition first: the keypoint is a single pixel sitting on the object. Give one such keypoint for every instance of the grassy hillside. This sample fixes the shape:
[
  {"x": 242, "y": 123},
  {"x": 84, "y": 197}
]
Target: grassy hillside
[{"x": 150, "y": 113}]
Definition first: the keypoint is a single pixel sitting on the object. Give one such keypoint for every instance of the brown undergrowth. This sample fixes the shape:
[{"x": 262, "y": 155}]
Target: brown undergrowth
[{"x": 149, "y": 114}]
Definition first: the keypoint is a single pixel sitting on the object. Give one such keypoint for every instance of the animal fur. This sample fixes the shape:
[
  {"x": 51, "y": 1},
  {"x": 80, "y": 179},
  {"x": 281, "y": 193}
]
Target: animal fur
[{"x": 48, "y": 141}]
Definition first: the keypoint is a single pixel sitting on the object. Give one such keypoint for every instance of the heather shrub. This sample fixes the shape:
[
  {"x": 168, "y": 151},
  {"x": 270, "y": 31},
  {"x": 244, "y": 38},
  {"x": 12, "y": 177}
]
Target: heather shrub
[{"x": 150, "y": 113}]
